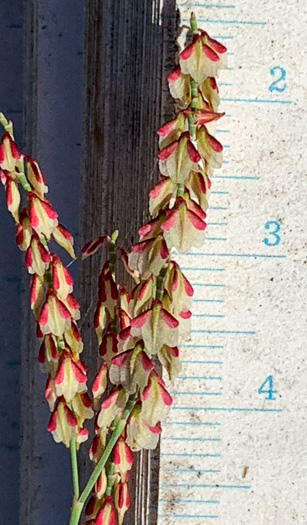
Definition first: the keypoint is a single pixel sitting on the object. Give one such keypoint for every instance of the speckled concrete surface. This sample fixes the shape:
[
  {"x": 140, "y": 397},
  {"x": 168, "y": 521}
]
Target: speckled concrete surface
[{"x": 230, "y": 454}]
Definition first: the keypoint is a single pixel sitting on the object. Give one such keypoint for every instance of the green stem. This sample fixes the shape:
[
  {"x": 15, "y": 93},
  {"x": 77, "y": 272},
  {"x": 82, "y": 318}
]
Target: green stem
[
  {"x": 160, "y": 281},
  {"x": 193, "y": 24},
  {"x": 111, "y": 479},
  {"x": 74, "y": 468},
  {"x": 79, "y": 504}
]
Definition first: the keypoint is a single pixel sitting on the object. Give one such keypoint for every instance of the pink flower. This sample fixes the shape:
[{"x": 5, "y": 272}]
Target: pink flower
[
  {"x": 70, "y": 378},
  {"x": 178, "y": 159},
  {"x": 100, "y": 381},
  {"x": 54, "y": 317},
  {"x": 139, "y": 433},
  {"x": 61, "y": 278},
  {"x": 161, "y": 195},
  {"x": 122, "y": 500},
  {"x": 148, "y": 257},
  {"x": 43, "y": 218},
  {"x": 63, "y": 424},
  {"x": 9, "y": 153},
  {"x": 131, "y": 369},
  {"x": 35, "y": 177},
  {"x": 203, "y": 58},
  {"x": 180, "y": 87},
  {"x": 106, "y": 515},
  {"x": 37, "y": 258},
  {"x": 36, "y": 294},
  {"x": 156, "y": 326},
  {"x": 12, "y": 198},
  {"x": 23, "y": 231},
  {"x": 122, "y": 458},
  {"x": 156, "y": 401},
  {"x": 64, "y": 239},
  {"x": 183, "y": 228},
  {"x": 210, "y": 149}
]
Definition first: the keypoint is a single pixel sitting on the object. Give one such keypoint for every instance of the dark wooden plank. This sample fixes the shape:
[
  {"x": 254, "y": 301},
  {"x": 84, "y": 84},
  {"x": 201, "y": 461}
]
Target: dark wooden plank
[{"x": 127, "y": 45}]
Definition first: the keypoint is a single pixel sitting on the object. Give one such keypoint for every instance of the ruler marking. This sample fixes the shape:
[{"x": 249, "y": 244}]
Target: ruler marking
[
  {"x": 206, "y": 6},
  {"x": 256, "y": 255},
  {"x": 189, "y": 268},
  {"x": 236, "y": 177},
  {"x": 226, "y": 332},
  {"x": 193, "y": 423},
  {"x": 209, "y": 315},
  {"x": 211, "y": 378},
  {"x": 225, "y": 22},
  {"x": 196, "y": 393},
  {"x": 229, "y": 409},
  {"x": 184, "y": 516},
  {"x": 256, "y": 100},
  {"x": 230, "y": 487},
  {"x": 203, "y": 362},
  {"x": 190, "y": 455},
  {"x": 209, "y": 501},
  {"x": 191, "y": 439}
]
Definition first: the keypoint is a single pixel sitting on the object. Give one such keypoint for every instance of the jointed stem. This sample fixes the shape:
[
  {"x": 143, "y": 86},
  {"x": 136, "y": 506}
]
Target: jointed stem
[
  {"x": 74, "y": 467},
  {"x": 79, "y": 504}
]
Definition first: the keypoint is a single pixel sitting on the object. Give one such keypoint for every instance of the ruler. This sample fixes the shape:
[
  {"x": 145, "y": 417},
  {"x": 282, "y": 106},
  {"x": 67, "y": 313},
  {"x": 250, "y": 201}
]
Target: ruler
[{"x": 234, "y": 449}]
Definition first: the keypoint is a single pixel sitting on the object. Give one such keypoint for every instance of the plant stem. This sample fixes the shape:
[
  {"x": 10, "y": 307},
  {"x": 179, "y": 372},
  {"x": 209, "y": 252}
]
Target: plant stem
[
  {"x": 193, "y": 24},
  {"x": 74, "y": 468},
  {"x": 79, "y": 504}
]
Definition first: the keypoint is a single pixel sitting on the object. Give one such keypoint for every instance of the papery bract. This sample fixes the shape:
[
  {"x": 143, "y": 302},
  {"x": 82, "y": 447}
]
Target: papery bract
[
  {"x": 64, "y": 239},
  {"x": 23, "y": 231},
  {"x": 210, "y": 149},
  {"x": 54, "y": 317},
  {"x": 182, "y": 228},
  {"x": 122, "y": 500},
  {"x": 111, "y": 407},
  {"x": 156, "y": 401},
  {"x": 82, "y": 407},
  {"x": 36, "y": 294},
  {"x": 169, "y": 358},
  {"x": 140, "y": 434},
  {"x": 180, "y": 87},
  {"x": 156, "y": 326},
  {"x": 70, "y": 378},
  {"x": 203, "y": 58},
  {"x": 61, "y": 278},
  {"x": 149, "y": 256},
  {"x": 131, "y": 369},
  {"x": 63, "y": 424},
  {"x": 100, "y": 381},
  {"x": 178, "y": 159},
  {"x": 12, "y": 198},
  {"x": 106, "y": 515},
  {"x": 9, "y": 153},
  {"x": 37, "y": 259},
  {"x": 43, "y": 218},
  {"x": 122, "y": 458},
  {"x": 35, "y": 177},
  {"x": 161, "y": 195}
]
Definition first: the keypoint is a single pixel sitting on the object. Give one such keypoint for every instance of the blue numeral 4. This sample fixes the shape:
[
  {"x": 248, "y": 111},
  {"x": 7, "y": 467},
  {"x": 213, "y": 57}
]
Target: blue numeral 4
[{"x": 267, "y": 389}]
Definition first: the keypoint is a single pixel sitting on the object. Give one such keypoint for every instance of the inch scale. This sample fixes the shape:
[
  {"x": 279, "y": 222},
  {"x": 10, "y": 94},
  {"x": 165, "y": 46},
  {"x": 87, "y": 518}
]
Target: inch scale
[{"x": 234, "y": 449}]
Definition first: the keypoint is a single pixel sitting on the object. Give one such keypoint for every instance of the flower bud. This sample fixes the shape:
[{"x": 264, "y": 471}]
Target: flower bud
[
  {"x": 9, "y": 153},
  {"x": 122, "y": 458},
  {"x": 121, "y": 500}
]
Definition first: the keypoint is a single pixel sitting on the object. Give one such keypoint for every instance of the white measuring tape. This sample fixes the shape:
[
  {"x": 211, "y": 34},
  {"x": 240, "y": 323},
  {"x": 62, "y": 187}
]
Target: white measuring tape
[{"x": 234, "y": 449}]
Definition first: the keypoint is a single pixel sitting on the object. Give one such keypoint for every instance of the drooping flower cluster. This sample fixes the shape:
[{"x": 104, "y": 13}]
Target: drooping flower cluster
[
  {"x": 139, "y": 328},
  {"x": 55, "y": 308}
]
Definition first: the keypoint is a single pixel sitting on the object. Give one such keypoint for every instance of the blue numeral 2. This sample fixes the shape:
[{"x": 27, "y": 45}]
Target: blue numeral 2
[
  {"x": 274, "y": 86},
  {"x": 274, "y": 228},
  {"x": 268, "y": 389}
]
